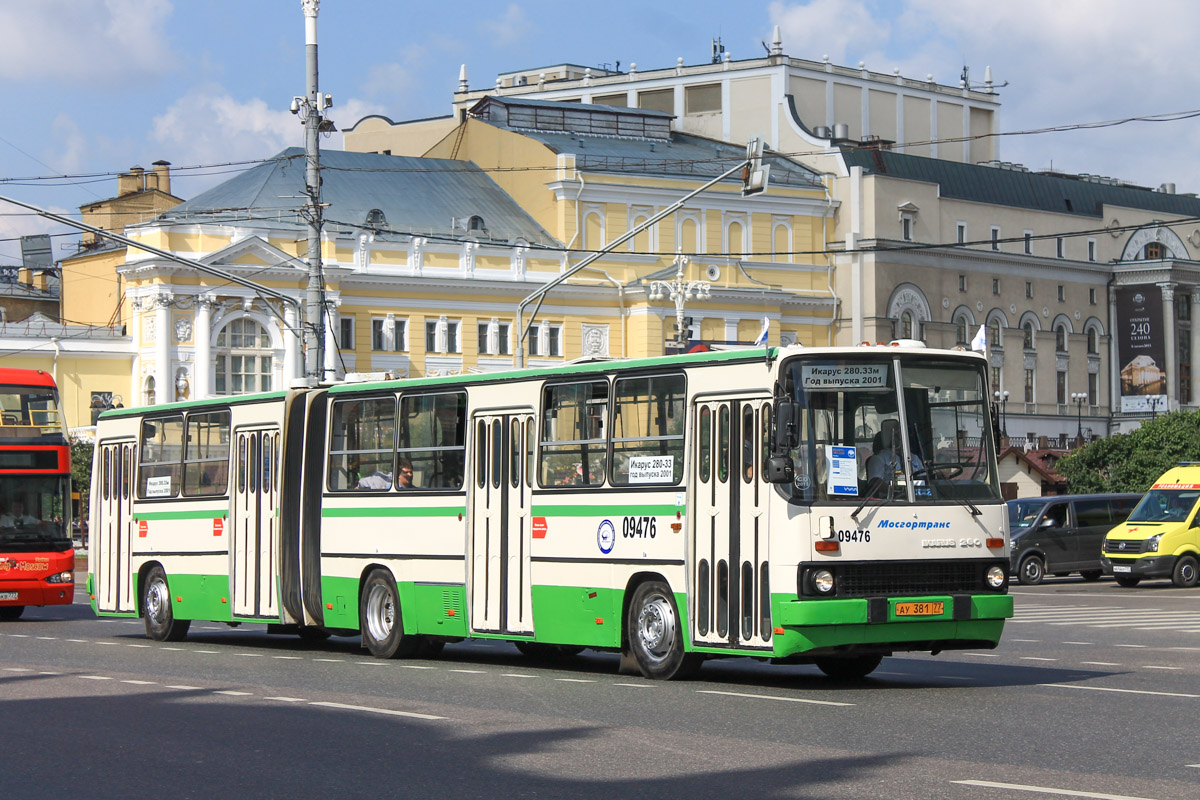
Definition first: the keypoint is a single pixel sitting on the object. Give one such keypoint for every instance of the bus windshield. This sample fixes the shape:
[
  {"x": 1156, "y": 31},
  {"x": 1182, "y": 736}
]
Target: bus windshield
[
  {"x": 30, "y": 415},
  {"x": 32, "y": 513},
  {"x": 893, "y": 429}
]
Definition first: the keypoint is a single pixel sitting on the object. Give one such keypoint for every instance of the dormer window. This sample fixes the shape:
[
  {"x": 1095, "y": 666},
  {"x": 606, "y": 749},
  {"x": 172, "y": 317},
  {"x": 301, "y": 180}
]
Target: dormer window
[{"x": 908, "y": 219}]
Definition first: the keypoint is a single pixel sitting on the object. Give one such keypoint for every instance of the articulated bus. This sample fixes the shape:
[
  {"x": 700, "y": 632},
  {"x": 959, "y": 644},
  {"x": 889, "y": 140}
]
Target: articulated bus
[
  {"x": 37, "y": 555},
  {"x": 828, "y": 506}
]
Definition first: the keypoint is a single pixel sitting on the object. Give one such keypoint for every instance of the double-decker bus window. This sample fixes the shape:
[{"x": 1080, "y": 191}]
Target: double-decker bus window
[
  {"x": 30, "y": 415},
  {"x": 362, "y": 444},
  {"x": 574, "y": 426},
  {"x": 206, "y": 454},
  {"x": 647, "y": 430},
  {"x": 161, "y": 455},
  {"x": 433, "y": 439}
]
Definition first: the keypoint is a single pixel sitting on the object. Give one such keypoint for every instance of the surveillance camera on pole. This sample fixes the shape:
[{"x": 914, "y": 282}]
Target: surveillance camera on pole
[{"x": 755, "y": 173}]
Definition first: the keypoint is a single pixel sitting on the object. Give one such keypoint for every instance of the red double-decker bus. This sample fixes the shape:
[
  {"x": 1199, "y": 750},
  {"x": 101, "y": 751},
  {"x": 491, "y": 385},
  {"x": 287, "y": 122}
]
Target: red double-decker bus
[{"x": 37, "y": 555}]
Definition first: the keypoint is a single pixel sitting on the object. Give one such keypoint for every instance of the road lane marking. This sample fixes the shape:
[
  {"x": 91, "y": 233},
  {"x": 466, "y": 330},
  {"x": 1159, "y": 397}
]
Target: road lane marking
[
  {"x": 407, "y": 666},
  {"x": 79, "y": 641},
  {"x": 185, "y": 688},
  {"x": 1020, "y": 787},
  {"x": 249, "y": 655},
  {"x": 47, "y": 638},
  {"x": 982, "y": 655},
  {"x": 141, "y": 683},
  {"x": 575, "y": 680},
  {"x": 49, "y": 673},
  {"x": 1122, "y": 691},
  {"x": 368, "y": 709},
  {"x": 634, "y": 685},
  {"x": 171, "y": 648},
  {"x": 289, "y": 699},
  {"x": 773, "y": 697},
  {"x": 1101, "y": 663},
  {"x": 232, "y": 693},
  {"x": 330, "y": 660},
  {"x": 1076, "y": 642},
  {"x": 137, "y": 645},
  {"x": 289, "y": 658},
  {"x": 1037, "y": 658},
  {"x": 1129, "y": 645},
  {"x": 1151, "y": 666},
  {"x": 17, "y": 669},
  {"x": 106, "y": 644},
  {"x": 469, "y": 671},
  {"x": 95, "y": 677},
  {"x": 210, "y": 652},
  {"x": 515, "y": 675}
]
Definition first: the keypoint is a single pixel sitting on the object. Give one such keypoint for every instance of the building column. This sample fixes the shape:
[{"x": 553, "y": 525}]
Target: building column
[
  {"x": 290, "y": 346},
  {"x": 1114, "y": 361},
  {"x": 137, "y": 308},
  {"x": 202, "y": 374},
  {"x": 164, "y": 381},
  {"x": 1195, "y": 300},
  {"x": 1172, "y": 353}
]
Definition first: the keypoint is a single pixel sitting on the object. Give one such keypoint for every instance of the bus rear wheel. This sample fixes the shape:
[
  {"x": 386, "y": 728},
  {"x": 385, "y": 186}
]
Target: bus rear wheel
[
  {"x": 161, "y": 625},
  {"x": 10, "y": 613},
  {"x": 848, "y": 669},
  {"x": 379, "y": 616},
  {"x": 655, "y": 635}
]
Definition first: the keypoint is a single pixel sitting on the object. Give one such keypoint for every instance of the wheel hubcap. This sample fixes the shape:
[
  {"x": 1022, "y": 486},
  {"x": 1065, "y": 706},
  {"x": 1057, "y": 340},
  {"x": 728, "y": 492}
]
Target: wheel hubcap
[
  {"x": 656, "y": 627},
  {"x": 381, "y": 613},
  {"x": 157, "y": 601}
]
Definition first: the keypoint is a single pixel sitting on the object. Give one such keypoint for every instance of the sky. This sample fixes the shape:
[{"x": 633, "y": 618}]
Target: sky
[{"x": 97, "y": 86}]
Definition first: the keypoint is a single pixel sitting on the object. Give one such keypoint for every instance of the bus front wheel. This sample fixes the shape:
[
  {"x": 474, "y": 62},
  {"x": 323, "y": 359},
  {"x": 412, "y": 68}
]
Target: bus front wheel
[
  {"x": 379, "y": 615},
  {"x": 655, "y": 635},
  {"x": 161, "y": 625}
]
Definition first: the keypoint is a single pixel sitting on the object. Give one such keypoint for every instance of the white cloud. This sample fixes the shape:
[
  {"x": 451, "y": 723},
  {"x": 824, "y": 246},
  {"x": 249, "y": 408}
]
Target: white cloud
[
  {"x": 210, "y": 126},
  {"x": 844, "y": 30},
  {"x": 96, "y": 43},
  {"x": 510, "y": 28}
]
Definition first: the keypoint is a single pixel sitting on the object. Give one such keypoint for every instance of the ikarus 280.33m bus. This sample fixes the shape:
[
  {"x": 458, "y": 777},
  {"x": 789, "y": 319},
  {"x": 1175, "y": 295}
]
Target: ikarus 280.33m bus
[{"x": 813, "y": 505}]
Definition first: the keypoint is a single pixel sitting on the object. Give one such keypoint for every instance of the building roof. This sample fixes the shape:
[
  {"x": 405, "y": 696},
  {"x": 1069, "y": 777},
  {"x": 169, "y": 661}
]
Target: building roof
[
  {"x": 421, "y": 196},
  {"x": 628, "y": 140},
  {"x": 1082, "y": 195}
]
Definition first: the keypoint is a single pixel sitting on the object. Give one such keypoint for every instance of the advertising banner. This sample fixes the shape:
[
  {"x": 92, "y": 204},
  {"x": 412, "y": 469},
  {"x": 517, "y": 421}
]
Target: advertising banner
[{"x": 1141, "y": 350}]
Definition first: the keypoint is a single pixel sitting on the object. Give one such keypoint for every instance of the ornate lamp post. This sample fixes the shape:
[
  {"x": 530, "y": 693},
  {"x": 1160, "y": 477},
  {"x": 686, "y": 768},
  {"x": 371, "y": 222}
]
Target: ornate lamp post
[
  {"x": 1079, "y": 398},
  {"x": 680, "y": 291},
  {"x": 1154, "y": 407},
  {"x": 1002, "y": 399}
]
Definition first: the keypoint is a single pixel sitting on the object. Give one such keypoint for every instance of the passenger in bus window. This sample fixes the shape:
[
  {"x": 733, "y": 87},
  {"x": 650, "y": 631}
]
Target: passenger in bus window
[
  {"x": 17, "y": 516},
  {"x": 376, "y": 481},
  {"x": 406, "y": 474}
]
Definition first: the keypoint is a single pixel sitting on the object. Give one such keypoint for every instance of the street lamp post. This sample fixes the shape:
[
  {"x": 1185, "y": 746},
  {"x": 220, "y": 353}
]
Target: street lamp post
[
  {"x": 1078, "y": 398},
  {"x": 1002, "y": 399},
  {"x": 680, "y": 291},
  {"x": 1154, "y": 407}
]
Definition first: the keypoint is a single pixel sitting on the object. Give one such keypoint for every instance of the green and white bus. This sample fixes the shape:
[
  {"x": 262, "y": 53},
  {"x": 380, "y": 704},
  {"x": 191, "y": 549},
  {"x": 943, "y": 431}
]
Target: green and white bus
[{"x": 829, "y": 506}]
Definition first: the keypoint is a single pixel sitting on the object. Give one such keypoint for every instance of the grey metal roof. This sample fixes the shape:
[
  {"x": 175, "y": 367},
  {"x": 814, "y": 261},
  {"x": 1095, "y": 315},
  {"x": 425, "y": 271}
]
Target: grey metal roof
[
  {"x": 416, "y": 195},
  {"x": 570, "y": 104},
  {"x": 1007, "y": 187}
]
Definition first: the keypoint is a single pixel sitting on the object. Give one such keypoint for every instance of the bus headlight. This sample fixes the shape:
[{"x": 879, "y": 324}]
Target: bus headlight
[
  {"x": 995, "y": 576},
  {"x": 822, "y": 581},
  {"x": 1152, "y": 543},
  {"x": 62, "y": 577}
]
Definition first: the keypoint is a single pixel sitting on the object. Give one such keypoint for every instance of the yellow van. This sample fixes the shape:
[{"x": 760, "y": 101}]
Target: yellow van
[{"x": 1161, "y": 538}]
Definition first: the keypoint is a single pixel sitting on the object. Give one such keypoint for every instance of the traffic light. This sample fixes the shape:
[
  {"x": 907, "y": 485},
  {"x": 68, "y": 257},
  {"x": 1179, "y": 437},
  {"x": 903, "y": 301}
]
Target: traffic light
[{"x": 755, "y": 173}]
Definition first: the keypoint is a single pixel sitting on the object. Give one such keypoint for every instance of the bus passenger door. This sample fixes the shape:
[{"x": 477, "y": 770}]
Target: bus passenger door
[
  {"x": 253, "y": 565},
  {"x": 111, "y": 542},
  {"x": 501, "y": 524},
  {"x": 729, "y": 573}
]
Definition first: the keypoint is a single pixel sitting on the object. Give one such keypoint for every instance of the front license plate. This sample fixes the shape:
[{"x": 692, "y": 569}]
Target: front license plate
[
  {"x": 8, "y": 595},
  {"x": 920, "y": 609},
  {"x": 1122, "y": 568}
]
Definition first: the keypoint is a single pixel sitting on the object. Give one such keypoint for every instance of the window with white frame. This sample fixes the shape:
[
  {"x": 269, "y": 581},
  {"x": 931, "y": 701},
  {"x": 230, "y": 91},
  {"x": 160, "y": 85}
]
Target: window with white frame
[
  {"x": 442, "y": 336},
  {"x": 1060, "y": 245},
  {"x": 1028, "y": 243},
  {"x": 546, "y": 340},
  {"x": 389, "y": 334},
  {"x": 494, "y": 338},
  {"x": 1091, "y": 249},
  {"x": 995, "y": 238},
  {"x": 346, "y": 333},
  {"x": 962, "y": 232},
  {"x": 243, "y": 358}
]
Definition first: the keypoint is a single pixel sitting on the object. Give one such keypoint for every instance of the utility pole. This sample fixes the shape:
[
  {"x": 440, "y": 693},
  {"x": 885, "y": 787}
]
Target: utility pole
[{"x": 309, "y": 108}]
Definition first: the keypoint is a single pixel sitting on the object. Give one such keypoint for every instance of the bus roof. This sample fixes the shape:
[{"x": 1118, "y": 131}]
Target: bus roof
[{"x": 25, "y": 377}]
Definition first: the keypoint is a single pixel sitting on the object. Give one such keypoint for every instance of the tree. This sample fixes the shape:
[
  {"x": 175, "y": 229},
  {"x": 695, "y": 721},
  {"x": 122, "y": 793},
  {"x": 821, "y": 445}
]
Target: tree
[
  {"x": 1130, "y": 462},
  {"x": 81, "y": 473}
]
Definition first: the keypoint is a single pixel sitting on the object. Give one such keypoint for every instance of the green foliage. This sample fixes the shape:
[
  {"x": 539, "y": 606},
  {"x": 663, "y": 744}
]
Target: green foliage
[
  {"x": 1130, "y": 462},
  {"x": 81, "y": 472}
]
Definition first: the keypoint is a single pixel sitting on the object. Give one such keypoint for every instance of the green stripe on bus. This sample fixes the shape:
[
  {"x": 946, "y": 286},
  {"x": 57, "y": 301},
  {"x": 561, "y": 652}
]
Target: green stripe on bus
[
  {"x": 656, "y": 510},
  {"x": 202, "y": 514},
  {"x": 394, "y": 511}
]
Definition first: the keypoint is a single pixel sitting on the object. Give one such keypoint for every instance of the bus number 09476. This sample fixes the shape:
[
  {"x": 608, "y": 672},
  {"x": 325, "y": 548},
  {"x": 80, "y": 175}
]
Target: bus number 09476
[{"x": 639, "y": 527}]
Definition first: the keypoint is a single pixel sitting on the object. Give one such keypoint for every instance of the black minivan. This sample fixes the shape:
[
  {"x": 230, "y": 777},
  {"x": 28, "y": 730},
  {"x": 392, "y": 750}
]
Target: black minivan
[{"x": 1063, "y": 533}]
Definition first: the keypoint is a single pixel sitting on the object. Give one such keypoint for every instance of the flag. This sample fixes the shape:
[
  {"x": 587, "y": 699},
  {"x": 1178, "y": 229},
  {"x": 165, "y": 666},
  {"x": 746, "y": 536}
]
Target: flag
[
  {"x": 766, "y": 329},
  {"x": 980, "y": 340}
]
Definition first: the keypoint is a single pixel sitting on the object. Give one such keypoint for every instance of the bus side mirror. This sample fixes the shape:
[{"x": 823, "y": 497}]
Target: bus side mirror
[
  {"x": 786, "y": 436},
  {"x": 779, "y": 470}
]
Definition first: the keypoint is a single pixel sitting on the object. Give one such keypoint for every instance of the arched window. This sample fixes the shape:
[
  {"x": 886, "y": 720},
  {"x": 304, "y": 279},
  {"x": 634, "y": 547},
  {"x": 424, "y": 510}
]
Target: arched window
[
  {"x": 908, "y": 325},
  {"x": 593, "y": 232},
  {"x": 735, "y": 236},
  {"x": 1060, "y": 338},
  {"x": 994, "y": 339},
  {"x": 689, "y": 240},
  {"x": 1093, "y": 341},
  {"x": 242, "y": 359},
  {"x": 960, "y": 330},
  {"x": 781, "y": 243},
  {"x": 1027, "y": 331},
  {"x": 149, "y": 391},
  {"x": 641, "y": 241}
]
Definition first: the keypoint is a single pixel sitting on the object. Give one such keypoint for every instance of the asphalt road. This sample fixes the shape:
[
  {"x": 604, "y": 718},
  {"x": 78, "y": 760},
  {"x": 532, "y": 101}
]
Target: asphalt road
[{"x": 1094, "y": 692}]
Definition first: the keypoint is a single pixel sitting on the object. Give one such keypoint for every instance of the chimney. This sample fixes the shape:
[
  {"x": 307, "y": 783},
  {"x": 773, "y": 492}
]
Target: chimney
[
  {"x": 39, "y": 281},
  {"x": 161, "y": 177},
  {"x": 131, "y": 182}
]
